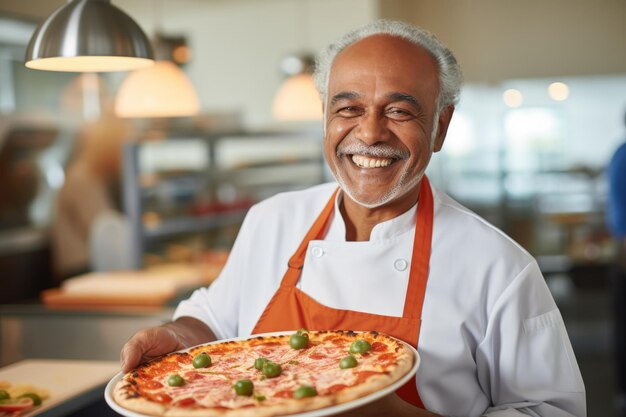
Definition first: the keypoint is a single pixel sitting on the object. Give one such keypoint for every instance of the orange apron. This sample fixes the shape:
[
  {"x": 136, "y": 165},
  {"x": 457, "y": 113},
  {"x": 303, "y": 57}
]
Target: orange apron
[{"x": 291, "y": 309}]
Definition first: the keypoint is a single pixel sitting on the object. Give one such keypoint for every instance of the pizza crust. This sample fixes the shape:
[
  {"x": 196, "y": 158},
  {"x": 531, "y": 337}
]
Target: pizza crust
[
  {"x": 289, "y": 406},
  {"x": 378, "y": 382},
  {"x": 123, "y": 397},
  {"x": 127, "y": 397}
]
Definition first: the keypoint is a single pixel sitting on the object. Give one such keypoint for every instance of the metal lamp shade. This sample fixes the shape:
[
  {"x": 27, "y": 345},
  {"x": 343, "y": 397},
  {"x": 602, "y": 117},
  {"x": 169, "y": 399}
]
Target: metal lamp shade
[{"x": 88, "y": 36}]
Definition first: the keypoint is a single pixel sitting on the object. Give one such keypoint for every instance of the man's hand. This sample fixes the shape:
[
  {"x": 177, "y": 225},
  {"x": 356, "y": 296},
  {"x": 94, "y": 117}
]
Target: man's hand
[
  {"x": 150, "y": 343},
  {"x": 391, "y": 405}
]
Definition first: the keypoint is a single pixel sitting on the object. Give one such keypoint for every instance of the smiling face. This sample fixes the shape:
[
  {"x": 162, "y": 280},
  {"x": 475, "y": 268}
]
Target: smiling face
[{"x": 381, "y": 109}]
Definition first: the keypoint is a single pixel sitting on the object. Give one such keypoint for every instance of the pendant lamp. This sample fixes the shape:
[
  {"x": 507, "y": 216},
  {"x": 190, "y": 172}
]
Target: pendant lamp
[
  {"x": 88, "y": 36},
  {"x": 162, "y": 90},
  {"x": 297, "y": 99}
]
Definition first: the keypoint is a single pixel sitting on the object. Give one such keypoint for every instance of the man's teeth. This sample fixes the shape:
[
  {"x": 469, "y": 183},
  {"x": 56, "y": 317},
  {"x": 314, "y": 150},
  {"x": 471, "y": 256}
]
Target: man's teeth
[{"x": 366, "y": 162}]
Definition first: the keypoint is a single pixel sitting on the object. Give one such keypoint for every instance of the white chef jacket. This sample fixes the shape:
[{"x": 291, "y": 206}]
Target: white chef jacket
[{"x": 492, "y": 341}]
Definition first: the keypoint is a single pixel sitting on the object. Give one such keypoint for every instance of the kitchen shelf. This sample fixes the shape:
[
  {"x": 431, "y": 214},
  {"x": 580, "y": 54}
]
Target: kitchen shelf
[
  {"x": 193, "y": 183},
  {"x": 192, "y": 224}
]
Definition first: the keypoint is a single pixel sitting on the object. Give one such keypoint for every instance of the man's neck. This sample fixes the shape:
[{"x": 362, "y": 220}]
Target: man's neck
[{"x": 360, "y": 220}]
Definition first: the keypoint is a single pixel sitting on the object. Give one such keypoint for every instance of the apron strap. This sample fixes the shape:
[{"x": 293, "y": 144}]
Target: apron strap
[{"x": 421, "y": 252}]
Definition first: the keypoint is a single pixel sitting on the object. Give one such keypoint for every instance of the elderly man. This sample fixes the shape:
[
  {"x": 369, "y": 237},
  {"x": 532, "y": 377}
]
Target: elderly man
[{"x": 385, "y": 251}]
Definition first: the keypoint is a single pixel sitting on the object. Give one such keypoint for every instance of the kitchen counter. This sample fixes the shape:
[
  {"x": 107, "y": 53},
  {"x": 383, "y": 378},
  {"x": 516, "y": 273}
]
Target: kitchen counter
[
  {"x": 35, "y": 331},
  {"x": 71, "y": 384},
  {"x": 83, "y": 343}
]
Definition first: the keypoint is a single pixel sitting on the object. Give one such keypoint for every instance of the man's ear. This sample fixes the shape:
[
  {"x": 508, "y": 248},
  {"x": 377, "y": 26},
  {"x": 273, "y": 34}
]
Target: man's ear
[{"x": 444, "y": 122}]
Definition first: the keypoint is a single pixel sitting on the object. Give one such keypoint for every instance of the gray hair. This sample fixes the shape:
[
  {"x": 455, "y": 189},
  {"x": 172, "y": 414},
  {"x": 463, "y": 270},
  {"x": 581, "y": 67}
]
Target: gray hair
[{"x": 450, "y": 76}]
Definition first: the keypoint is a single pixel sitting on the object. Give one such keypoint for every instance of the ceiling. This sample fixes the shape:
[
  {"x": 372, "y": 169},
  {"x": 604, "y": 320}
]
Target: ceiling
[{"x": 29, "y": 9}]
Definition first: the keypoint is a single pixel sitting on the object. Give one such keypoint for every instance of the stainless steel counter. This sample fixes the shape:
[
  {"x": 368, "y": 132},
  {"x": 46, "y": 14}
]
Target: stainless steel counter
[{"x": 34, "y": 331}]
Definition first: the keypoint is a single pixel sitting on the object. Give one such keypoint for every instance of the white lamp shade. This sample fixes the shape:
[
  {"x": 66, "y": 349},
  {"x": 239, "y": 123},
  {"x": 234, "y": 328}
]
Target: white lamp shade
[
  {"x": 162, "y": 90},
  {"x": 297, "y": 99}
]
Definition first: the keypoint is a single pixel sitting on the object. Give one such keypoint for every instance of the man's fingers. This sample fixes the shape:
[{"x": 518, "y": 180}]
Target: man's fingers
[
  {"x": 158, "y": 341},
  {"x": 131, "y": 354},
  {"x": 147, "y": 344}
]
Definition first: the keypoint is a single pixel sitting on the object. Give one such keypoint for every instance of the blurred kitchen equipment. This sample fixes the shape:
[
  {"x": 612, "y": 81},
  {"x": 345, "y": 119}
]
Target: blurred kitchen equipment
[{"x": 109, "y": 242}]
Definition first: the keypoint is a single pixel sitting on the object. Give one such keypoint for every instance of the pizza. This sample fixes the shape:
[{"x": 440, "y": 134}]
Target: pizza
[{"x": 266, "y": 375}]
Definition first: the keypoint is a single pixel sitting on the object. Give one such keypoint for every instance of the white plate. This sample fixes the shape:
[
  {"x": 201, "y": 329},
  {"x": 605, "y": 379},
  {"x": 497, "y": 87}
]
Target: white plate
[{"x": 335, "y": 409}]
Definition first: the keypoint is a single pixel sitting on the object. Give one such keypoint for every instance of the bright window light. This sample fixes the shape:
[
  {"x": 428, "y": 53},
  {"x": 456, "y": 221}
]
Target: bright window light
[{"x": 460, "y": 137}]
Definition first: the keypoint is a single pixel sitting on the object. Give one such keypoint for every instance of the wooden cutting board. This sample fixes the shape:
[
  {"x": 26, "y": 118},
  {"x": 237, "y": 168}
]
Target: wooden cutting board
[
  {"x": 150, "y": 287},
  {"x": 56, "y": 297},
  {"x": 68, "y": 381}
]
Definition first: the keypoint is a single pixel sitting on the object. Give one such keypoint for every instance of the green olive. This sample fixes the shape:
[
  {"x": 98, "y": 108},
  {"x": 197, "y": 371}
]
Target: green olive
[
  {"x": 201, "y": 361},
  {"x": 304, "y": 391},
  {"x": 36, "y": 398},
  {"x": 271, "y": 369},
  {"x": 297, "y": 341},
  {"x": 259, "y": 362},
  {"x": 244, "y": 387},
  {"x": 360, "y": 346},
  {"x": 348, "y": 362},
  {"x": 4, "y": 395},
  {"x": 175, "y": 381}
]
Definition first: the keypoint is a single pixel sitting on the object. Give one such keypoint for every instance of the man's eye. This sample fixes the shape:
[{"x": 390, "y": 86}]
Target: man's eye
[
  {"x": 399, "y": 114},
  {"x": 348, "y": 111}
]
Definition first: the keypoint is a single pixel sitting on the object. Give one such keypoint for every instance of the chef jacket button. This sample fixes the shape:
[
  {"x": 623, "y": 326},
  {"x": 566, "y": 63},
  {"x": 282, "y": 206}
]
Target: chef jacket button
[
  {"x": 400, "y": 264},
  {"x": 317, "y": 251}
]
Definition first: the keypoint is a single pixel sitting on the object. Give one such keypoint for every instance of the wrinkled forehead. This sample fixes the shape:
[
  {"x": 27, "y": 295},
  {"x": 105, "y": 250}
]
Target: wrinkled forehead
[{"x": 393, "y": 61}]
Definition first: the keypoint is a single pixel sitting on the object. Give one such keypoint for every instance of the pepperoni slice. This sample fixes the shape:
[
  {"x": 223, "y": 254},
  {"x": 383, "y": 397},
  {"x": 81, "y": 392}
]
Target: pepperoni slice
[
  {"x": 387, "y": 358},
  {"x": 284, "y": 394},
  {"x": 161, "y": 398},
  {"x": 317, "y": 356},
  {"x": 337, "y": 388},
  {"x": 151, "y": 384},
  {"x": 185, "y": 402},
  {"x": 363, "y": 375},
  {"x": 379, "y": 347}
]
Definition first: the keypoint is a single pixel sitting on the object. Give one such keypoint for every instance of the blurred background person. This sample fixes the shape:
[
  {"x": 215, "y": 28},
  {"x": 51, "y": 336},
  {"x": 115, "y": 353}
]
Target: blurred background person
[
  {"x": 23, "y": 140},
  {"x": 91, "y": 192},
  {"x": 616, "y": 212},
  {"x": 24, "y": 241},
  {"x": 20, "y": 178}
]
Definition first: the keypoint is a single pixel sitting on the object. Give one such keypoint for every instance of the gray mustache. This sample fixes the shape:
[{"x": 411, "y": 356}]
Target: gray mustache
[{"x": 376, "y": 151}]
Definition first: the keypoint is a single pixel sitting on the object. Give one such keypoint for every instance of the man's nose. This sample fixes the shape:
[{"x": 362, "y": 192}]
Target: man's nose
[{"x": 372, "y": 129}]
